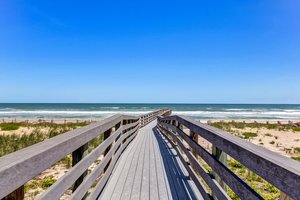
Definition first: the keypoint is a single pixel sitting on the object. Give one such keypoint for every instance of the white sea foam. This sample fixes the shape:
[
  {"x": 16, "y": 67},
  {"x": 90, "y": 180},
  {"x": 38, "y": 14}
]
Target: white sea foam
[{"x": 197, "y": 114}]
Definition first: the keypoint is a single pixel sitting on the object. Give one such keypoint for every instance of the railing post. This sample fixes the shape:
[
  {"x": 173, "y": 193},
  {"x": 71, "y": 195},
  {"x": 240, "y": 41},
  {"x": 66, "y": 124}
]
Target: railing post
[
  {"x": 18, "y": 194},
  {"x": 106, "y": 135},
  {"x": 194, "y": 137},
  {"x": 78, "y": 155},
  {"x": 222, "y": 157}
]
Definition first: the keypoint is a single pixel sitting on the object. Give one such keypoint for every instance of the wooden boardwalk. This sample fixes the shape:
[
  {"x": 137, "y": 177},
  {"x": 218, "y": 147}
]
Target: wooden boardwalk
[
  {"x": 149, "y": 157},
  {"x": 149, "y": 169}
]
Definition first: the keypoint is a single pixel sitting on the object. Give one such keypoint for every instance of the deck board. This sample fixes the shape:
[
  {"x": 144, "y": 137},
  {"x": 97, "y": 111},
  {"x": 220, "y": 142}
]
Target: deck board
[{"x": 149, "y": 169}]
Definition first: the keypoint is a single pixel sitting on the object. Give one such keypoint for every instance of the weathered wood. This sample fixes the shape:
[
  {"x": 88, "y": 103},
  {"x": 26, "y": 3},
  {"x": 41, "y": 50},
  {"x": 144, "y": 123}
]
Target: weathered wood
[
  {"x": 141, "y": 173},
  {"x": 285, "y": 173},
  {"x": 163, "y": 186},
  {"x": 107, "y": 135},
  {"x": 235, "y": 183},
  {"x": 77, "y": 156},
  {"x": 90, "y": 179},
  {"x": 99, "y": 187},
  {"x": 198, "y": 167},
  {"x": 194, "y": 177},
  {"x": 23, "y": 165},
  {"x": 18, "y": 194},
  {"x": 222, "y": 157},
  {"x": 65, "y": 182}
]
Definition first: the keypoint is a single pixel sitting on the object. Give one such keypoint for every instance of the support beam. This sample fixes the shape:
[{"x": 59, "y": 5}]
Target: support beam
[
  {"x": 222, "y": 157},
  {"x": 78, "y": 155}
]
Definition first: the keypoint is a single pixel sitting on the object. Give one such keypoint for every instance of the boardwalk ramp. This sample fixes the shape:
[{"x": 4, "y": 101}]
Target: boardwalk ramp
[{"x": 150, "y": 169}]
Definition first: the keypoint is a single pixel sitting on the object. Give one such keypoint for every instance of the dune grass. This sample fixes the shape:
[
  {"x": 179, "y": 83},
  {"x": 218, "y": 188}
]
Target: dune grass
[
  {"x": 248, "y": 135},
  {"x": 13, "y": 142},
  {"x": 227, "y": 126},
  {"x": 296, "y": 129},
  {"x": 296, "y": 158},
  {"x": 9, "y": 126}
]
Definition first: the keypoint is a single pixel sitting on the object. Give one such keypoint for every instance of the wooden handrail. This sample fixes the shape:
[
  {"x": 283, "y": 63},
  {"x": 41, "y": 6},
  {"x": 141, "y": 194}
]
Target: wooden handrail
[
  {"x": 280, "y": 171},
  {"x": 19, "y": 167},
  {"x": 147, "y": 118}
]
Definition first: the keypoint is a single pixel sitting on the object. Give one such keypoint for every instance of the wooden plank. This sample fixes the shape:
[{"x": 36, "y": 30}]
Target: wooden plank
[
  {"x": 163, "y": 185},
  {"x": 174, "y": 181},
  {"x": 188, "y": 186},
  {"x": 200, "y": 169},
  {"x": 222, "y": 157},
  {"x": 285, "y": 173},
  {"x": 131, "y": 125},
  {"x": 137, "y": 183},
  {"x": 65, "y": 182},
  {"x": 145, "y": 189},
  {"x": 99, "y": 187},
  {"x": 18, "y": 194},
  {"x": 126, "y": 192},
  {"x": 118, "y": 179},
  {"x": 77, "y": 156},
  {"x": 23, "y": 165},
  {"x": 193, "y": 191},
  {"x": 232, "y": 180},
  {"x": 154, "y": 192},
  {"x": 90, "y": 179}
]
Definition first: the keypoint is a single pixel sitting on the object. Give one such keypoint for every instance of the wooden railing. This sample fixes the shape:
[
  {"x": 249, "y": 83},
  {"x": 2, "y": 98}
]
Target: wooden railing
[
  {"x": 147, "y": 118},
  {"x": 117, "y": 131},
  {"x": 183, "y": 133}
]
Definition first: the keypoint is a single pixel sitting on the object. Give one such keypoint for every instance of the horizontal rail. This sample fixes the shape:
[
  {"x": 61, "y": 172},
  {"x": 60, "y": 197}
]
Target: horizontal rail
[
  {"x": 280, "y": 171},
  {"x": 147, "y": 118},
  {"x": 118, "y": 131}
]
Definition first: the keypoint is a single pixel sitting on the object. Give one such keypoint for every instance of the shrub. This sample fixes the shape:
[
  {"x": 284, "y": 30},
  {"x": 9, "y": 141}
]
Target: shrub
[
  {"x": 9, "y": 126},
  {"x": 47, "y": 182},
  {"x": 272, "y": 142},
  {"x": 296, "y": 129},
  {"x": 272, "y": 126},
  {"x": 296, "y": 158},
  {"x": 248, "y": 135},
  {"x": 67, "y": 161},
  {"x": 297, "y": 149},
  {"x": 31, "y": 185},
  {"x": 235, "y": 164}
]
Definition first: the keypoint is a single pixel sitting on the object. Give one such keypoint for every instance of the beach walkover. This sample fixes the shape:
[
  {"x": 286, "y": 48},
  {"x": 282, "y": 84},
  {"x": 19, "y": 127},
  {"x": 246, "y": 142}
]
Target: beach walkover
[{"x": 153, "y": 156}]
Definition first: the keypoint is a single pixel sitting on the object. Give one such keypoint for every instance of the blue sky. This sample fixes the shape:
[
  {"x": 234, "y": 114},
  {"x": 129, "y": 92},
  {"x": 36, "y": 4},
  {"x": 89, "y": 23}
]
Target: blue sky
[{"x": 150, "y": 51}]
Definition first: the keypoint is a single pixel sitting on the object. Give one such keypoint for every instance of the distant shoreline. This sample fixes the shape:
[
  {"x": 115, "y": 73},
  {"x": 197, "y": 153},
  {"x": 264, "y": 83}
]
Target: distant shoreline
[
  {"x": 78, "y": 120},
  {"x": 202, "y": 112}
]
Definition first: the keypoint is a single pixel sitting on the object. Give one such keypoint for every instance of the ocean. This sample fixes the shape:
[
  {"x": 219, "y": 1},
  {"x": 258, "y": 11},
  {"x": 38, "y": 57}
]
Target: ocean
[{"x": 195, "y": 111}]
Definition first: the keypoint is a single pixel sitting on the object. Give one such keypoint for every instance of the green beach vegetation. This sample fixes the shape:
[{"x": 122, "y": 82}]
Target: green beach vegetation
[
  {"x": 296, "y": 158},
  {"x": 296, "y": 129},
  {"x": 13, "y": 142},
  {"x": 250, "y": 131},
  {"x": 228, "y": 126},
  {"x": 9, "y": 126},
  {"x": 248, "y": 135},
  {"x": 261, "y": 186}
]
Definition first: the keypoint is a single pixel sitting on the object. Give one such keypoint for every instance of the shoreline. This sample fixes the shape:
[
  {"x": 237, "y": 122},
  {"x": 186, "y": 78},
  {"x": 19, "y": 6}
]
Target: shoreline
[{"x": 91, "y": 120}]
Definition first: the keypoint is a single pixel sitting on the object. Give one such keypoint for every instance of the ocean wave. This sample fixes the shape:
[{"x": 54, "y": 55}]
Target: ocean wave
[
  {"x": 69, "y": 112},
  {"x": 197, "y": 114}
]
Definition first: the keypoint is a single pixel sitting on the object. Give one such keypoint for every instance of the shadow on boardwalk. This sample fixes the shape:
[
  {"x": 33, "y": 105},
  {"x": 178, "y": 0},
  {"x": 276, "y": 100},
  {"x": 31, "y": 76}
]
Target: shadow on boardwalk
[{"x": 179, "y": 181}]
